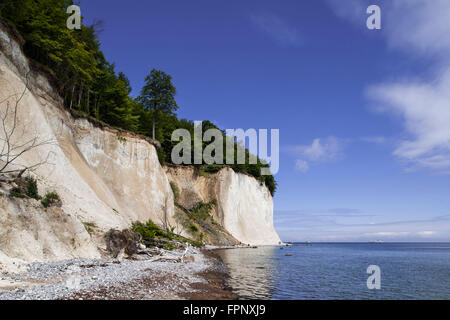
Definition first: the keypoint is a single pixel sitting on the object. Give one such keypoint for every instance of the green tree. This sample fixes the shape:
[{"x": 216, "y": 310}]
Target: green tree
[
  {"x": 158, "y": 96},
  {"x": 124, "y": 79},
  {"x": 70, "y": 55}
]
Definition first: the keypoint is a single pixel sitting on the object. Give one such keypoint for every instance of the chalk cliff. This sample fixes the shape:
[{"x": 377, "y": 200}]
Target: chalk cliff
[
  {"x": 244, "y": 206},
  {"x": 105, "y": 177}
]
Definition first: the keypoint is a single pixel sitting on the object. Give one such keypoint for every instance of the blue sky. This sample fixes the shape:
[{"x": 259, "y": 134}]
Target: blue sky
[{"x": 363, "y": 114}]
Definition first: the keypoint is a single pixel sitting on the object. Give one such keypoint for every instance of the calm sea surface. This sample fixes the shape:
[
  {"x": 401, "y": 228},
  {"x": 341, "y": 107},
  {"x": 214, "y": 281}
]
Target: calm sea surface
[{"x": 338, "y": 271}]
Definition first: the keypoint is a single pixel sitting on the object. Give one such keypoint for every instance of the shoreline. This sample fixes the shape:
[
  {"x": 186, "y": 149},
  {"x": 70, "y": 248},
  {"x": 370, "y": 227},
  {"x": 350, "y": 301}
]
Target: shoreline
[
  {"x": 216, "y": 277},
  {"x": 200, "y": 275}
]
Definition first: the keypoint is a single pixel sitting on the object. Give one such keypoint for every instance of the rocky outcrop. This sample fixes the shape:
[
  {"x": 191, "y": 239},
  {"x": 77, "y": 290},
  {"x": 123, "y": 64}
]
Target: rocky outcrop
[{"x": 243, "y": 206}]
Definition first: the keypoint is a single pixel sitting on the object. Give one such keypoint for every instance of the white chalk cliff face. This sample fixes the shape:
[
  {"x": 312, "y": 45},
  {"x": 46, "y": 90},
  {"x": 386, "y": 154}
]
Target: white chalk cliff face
[
  {"x": 102, "y": 176},
  {"x": 244, "y": 205}
]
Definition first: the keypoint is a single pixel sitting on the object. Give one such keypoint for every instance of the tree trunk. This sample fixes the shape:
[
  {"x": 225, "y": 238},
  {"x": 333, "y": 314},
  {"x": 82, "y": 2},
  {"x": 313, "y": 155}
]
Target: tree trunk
[
  {"x": 71, "y": 97},
  {"x": 79, "y": 96},
  {"x": 97, "y": 107},
  {"x": 154, "y": 122},
  {"x": 87, "y": 104}
]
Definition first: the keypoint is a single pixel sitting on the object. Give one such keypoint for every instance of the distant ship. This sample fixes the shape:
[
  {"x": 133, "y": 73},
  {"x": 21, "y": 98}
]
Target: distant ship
[{"x": 376, "y": 241}]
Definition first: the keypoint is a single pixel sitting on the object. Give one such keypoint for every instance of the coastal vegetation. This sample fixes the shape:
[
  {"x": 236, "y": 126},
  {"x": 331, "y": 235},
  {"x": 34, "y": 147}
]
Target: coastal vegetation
[
  {"x": 32, "y": 188},
  {"x": 90, "y": 227},
  {"x": 50, "y": 198},
  {"x": 153, "y": 235},
  {"x": 91, "y": 85},
  {"x": 27, "y": 188},
  {"x": 200, "y": 223}
]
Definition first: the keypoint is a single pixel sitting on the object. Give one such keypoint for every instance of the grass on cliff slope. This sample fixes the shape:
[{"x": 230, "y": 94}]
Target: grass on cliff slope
[
  {"x": 153, "y": 235},
  {"x": 201, "y": 224}
]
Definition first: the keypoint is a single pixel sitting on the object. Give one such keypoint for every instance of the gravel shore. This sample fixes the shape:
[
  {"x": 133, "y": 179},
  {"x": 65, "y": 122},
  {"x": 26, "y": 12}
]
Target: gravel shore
[{"x": 198, "y": 275}]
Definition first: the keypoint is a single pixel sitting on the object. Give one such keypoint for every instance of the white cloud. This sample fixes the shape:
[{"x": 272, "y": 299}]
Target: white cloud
[
  {"x": 387, "y": 234},
  {"x": 427, "y": 233},
  {"x": 321, "y": 150},
  {"x": 424, "y": 108},
  {"x": 326, "y": 151},
  {"x": 277, "y": 30},
  {"x": 301, "y": 166}
]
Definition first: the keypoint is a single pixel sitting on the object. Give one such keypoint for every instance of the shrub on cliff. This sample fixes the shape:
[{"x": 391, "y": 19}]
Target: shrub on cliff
[
  {"x": 32, "y": 188},
  {"x": 270, "y": 183},
  {"x": 193, "y": 228},
  {"x": 16, "y": 193},
  {"x": 26, "y": 187},
  {"x": 201, "y": 211},
  {"x": 51, "y": 199},
  {"x": 149, "y": 231},
  {"x": 175, "y": 190}
]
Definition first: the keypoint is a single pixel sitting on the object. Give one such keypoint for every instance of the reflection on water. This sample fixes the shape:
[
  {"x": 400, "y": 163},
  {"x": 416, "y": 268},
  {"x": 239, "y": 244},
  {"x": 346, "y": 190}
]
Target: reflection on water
[{"x": 252, "y": 271}]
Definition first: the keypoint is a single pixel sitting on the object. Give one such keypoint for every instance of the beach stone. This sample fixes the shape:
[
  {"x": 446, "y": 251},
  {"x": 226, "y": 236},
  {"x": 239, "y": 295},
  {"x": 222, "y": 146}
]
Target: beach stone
[{"x": 189, "y": 259}]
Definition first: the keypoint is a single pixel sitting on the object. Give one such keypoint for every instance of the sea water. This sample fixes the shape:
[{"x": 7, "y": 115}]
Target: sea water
[{"x": 339, "y": 271}]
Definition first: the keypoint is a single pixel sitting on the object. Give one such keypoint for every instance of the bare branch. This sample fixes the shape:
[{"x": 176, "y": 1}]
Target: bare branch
[{"x": 13, "y": 144}]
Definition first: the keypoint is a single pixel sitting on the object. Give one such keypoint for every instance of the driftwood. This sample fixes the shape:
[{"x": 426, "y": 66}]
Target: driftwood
[{"x": 166, "y": 258}]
